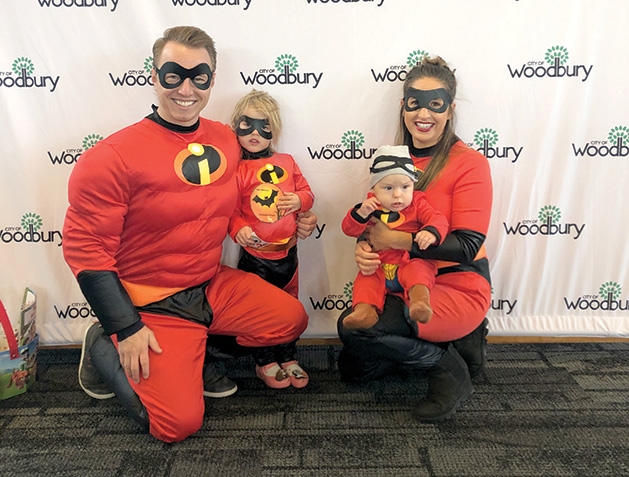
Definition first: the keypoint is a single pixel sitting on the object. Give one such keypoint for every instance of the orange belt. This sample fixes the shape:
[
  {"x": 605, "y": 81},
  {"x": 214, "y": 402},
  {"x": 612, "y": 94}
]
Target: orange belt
[
  {"x": 482, "y": 253},
  {"x": 278, "y": 246}
]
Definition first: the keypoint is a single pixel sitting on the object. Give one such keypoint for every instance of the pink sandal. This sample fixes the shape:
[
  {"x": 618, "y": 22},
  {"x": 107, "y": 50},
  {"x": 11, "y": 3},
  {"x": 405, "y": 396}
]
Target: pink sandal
[
  {"x": 298, "y": 377},
  {"x": 273, "y": 376}
]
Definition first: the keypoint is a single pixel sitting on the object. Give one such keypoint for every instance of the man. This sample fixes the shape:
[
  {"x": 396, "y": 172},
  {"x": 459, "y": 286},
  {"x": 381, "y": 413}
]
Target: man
[{"x": 149, "y": 209}]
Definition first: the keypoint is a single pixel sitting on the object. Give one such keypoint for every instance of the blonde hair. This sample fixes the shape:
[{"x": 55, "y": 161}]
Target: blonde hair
[
  {"x": 438, "y": 69},
  {"x": 189, "y": 36},
  {"x": 265, "y": 104}
]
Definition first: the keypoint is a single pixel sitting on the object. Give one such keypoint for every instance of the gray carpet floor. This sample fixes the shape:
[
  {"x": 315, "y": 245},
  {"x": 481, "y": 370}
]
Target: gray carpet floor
[{"x": 538, "y": 410}]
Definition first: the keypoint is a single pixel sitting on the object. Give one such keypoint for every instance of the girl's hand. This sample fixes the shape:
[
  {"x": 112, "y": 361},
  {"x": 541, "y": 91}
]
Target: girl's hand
[
  {"x": 288, "y": 203},
  {"x": 244, "y": 237}
]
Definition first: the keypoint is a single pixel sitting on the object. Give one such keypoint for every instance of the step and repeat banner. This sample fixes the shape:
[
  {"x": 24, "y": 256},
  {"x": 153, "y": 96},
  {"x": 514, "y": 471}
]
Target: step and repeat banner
[{"x": 542, "y": 94}]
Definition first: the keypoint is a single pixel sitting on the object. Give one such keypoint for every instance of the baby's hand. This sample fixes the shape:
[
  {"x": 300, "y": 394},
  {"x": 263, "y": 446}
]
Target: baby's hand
[
  {"x": 288, "y": 203},
  {"x": 424, "y": 239},
  {"x": 368, "y": 207}
]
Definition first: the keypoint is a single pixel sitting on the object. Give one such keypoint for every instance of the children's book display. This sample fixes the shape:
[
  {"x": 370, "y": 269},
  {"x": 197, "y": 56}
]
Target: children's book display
[{"x": 18, "y": 348}]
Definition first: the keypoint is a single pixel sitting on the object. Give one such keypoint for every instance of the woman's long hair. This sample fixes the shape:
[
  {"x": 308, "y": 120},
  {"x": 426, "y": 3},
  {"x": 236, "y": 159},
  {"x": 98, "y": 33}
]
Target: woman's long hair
[{"x": 438, "y": 69}]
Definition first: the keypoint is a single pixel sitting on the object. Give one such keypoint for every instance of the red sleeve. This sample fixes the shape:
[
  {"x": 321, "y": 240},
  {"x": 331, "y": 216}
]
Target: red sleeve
[
  {"x": 302, "y": 189},
  {"x": 95, "y": 218},
  {"x": 237, "y": 221},
  {"x": 351, "y": 226},
  {"x": 429, "y": 216},
  {"x": 472, "y": 194}
]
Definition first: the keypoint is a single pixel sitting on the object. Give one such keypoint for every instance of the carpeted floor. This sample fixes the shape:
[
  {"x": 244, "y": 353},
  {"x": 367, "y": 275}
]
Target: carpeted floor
[{"x": 538, "y": 410}]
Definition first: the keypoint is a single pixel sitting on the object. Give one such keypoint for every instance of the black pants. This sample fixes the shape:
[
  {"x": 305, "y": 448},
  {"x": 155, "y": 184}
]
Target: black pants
[{"x": 390, "y": 344}]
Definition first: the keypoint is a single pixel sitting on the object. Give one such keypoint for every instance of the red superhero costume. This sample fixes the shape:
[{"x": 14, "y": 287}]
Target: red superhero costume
[
  {"x": 419, "y": 215},
  {"x": 260, "y": 183},
  {"x": 147, "y": 231},
  {"x": 461, "y": 295}
]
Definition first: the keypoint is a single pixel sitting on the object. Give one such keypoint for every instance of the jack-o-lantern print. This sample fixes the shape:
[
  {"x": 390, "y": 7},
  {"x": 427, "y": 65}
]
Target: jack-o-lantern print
[{"x": 264, "y": 202}]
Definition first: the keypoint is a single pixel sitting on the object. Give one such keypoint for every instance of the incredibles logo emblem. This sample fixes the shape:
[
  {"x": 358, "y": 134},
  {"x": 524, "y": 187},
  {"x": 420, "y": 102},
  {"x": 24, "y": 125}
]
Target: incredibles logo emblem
[
  {"x": 200, "y": 164},
  {"x": 271, "y": 174},
  {"x": 392, "y": 219}
]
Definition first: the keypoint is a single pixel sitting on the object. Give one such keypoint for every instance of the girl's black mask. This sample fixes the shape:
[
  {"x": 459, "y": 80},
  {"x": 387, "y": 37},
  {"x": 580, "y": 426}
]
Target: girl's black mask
[{"x": 254, "y": 124}]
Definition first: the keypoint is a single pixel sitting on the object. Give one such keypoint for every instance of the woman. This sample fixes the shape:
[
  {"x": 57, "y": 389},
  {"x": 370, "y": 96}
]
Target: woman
[{"x": 457, "y": 182}]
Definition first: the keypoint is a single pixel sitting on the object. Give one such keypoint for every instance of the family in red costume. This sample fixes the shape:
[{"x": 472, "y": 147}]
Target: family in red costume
[{"x": 151, "y": 205}]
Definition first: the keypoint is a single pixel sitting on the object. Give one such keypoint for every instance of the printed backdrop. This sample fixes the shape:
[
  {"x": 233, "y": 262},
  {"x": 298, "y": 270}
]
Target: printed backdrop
[{"x": 542, "y": 93}]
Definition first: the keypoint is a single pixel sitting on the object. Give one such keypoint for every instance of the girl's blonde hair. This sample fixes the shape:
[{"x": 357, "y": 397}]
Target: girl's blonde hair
[{"x": 263, "y": 102}]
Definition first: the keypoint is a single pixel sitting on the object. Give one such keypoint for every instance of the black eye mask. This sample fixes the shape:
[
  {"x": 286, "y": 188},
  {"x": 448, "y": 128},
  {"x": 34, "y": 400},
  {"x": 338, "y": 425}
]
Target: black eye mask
[
  {"x": 254, "y": 124},
  {"x": 436, "y": 100},
  {"x": 171, "y": 68}
]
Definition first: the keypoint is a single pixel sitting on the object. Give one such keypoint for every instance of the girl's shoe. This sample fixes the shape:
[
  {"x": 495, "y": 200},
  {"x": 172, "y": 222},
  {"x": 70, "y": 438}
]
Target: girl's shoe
[
  {"x": 273, "y": 376},
  {"x": 298, "y": 377}
]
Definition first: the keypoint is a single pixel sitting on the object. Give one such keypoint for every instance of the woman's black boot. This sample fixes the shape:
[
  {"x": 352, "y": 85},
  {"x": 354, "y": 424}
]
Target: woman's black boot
[
  {"x": 449, "y": 384},
  {"x": 473, "y": 349}
]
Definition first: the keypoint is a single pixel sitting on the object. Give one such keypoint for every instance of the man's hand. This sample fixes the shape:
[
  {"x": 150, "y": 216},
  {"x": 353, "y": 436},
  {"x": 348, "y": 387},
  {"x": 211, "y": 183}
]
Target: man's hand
[
  {"x": 134, "y": 353},
  {"x": 306, "y": 223}
]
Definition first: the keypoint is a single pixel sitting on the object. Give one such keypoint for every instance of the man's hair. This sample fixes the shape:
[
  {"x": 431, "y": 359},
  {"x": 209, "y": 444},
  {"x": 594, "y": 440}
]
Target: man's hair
[
  {"x": 266, "y": 104},
  {"x": 189, "y": 36}
]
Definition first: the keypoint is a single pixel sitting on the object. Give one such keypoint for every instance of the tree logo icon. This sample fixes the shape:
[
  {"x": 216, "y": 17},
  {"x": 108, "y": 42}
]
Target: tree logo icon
[
  {"x": 23, "y": 64},
  {"x": 348, "y": 290},
  {"x": 610, "y": 290},
  {"x": 286, "y": 61},
  {"x": 90, "y": 140},
  {"x": 415, "y": 57},
  {"x": 32, "y": 222},
  {"x": 556, "y": 52},
  {"x": 486, "y": 134},
  {"x": 619, "y": 132},
  {"x": 148, "y": 64},
  {"x": 549, "y": 213},
  {"x": 353, "y": 136}
]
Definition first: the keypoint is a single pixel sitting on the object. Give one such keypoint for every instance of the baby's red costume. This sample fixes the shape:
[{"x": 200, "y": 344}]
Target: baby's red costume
[{"x": 419, "y": 215}]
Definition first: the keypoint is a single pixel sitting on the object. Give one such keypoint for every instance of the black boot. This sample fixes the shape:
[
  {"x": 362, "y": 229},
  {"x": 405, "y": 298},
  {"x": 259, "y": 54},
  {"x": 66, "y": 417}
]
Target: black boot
[
  {"x": 106, "y": 360},
  {"x": 473, "y": 349},
  {"x": 449, "y": 384}
]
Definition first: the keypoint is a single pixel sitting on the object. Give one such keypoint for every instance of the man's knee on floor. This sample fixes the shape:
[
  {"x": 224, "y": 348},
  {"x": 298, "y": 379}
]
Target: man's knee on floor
[{"x": 177, "y": 426}]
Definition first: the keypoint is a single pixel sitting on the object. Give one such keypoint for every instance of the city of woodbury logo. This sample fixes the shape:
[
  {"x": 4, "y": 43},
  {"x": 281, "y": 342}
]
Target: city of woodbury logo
[
  {"x": 608, "y": 299},
  {"x": 335, "y": 302},
  {"x": 487, "y": 138},
  {"x": 349, "y": 148},
  {"x": 547, "y": 223},
  {"x": 141, "y": 77},
  {"x": 398, "y": 72},
  {"x": 557, "y": 57},
  {"x": 344, "y": 1},
  {"x": 615, "y": 145},
  {"x": 70, "y": 156},
  {"x": 21, "y": 76},
  {"x": 285, "y": 73},
  {"x": 29, "y": 231}
]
